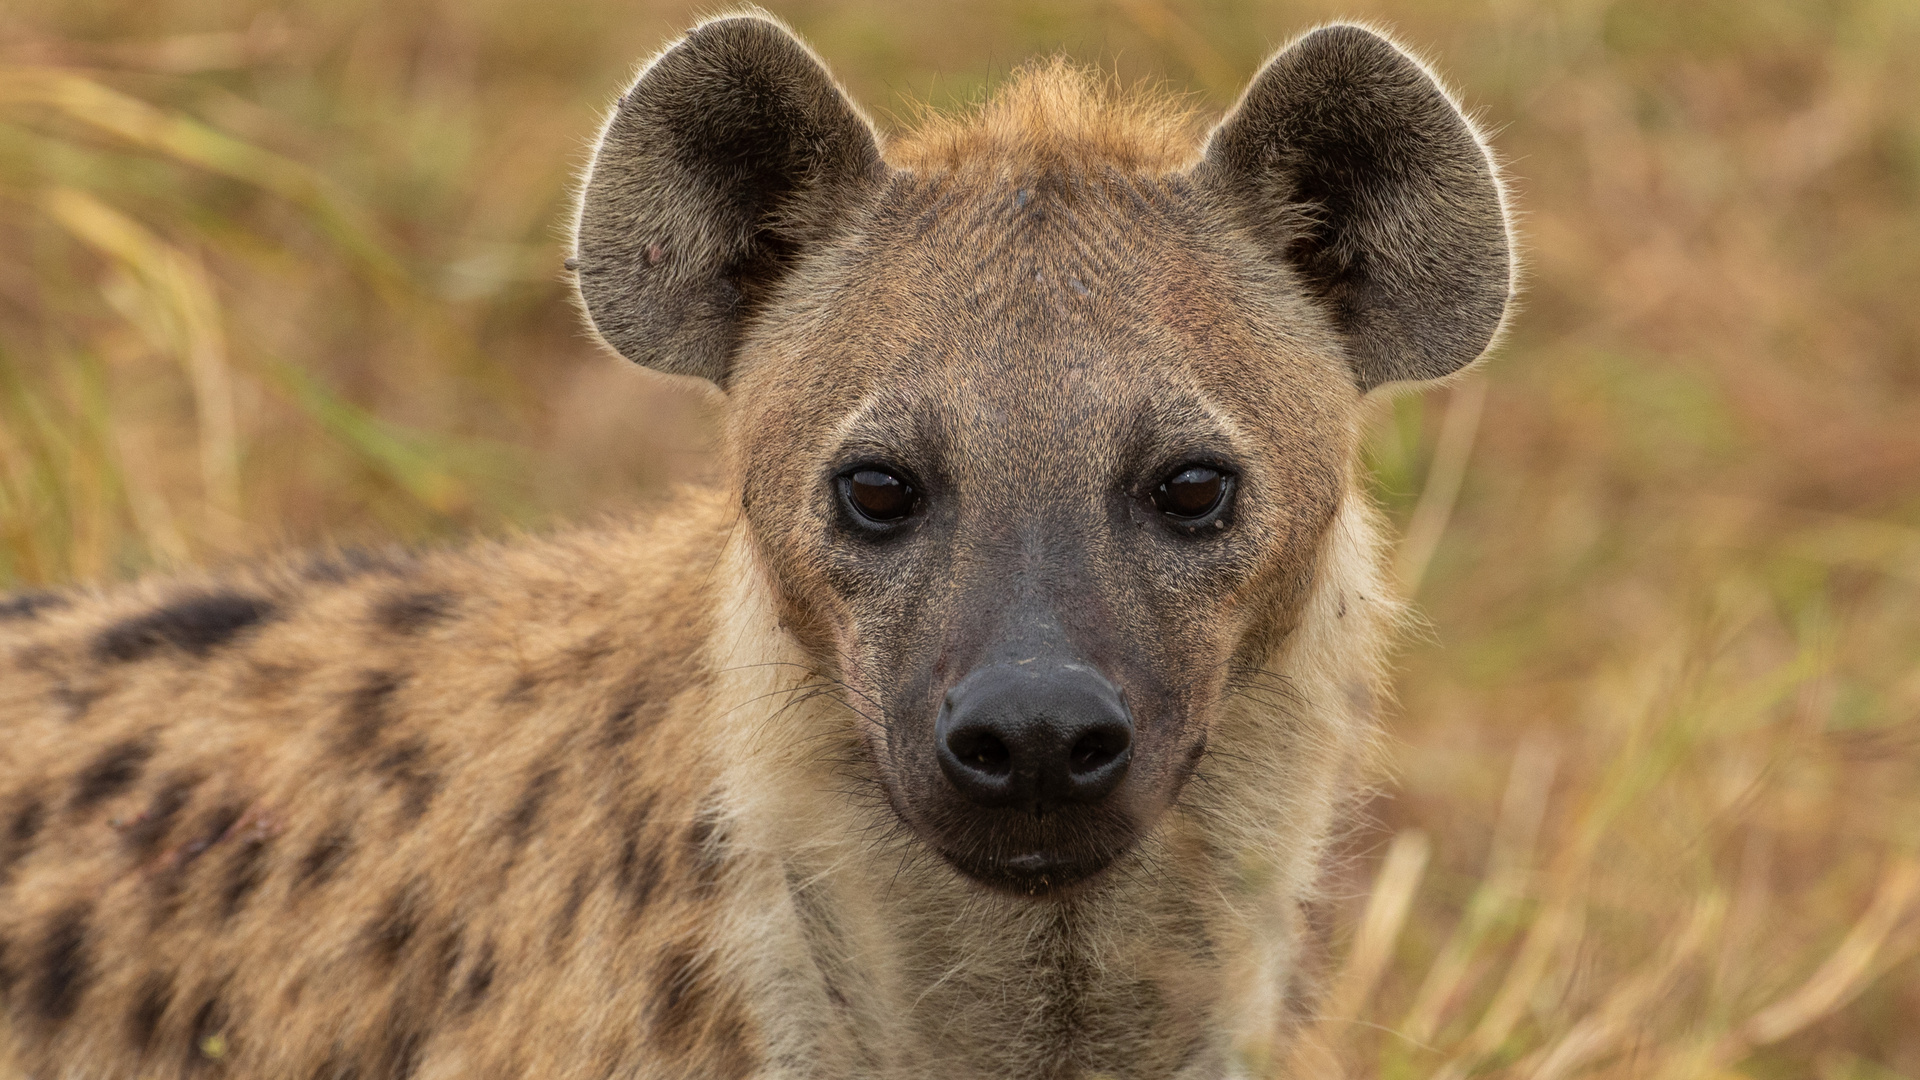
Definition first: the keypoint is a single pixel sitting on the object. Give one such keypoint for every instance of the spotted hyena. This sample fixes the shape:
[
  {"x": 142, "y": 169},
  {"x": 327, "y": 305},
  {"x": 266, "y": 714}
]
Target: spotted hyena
[{"x": 988, "y": 720}]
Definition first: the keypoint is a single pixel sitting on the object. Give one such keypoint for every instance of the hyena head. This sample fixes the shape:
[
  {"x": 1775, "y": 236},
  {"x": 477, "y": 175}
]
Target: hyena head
[{"x": 1039, "y": 418}]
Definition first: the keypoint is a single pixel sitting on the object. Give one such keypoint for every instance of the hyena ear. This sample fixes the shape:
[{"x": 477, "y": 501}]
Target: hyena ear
[
  {"x": 1355, "y": 168},
  {"x": 732, "y": 155}
]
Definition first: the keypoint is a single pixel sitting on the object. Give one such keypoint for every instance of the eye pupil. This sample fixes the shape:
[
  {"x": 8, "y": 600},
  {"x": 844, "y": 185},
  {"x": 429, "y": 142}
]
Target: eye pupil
[
  {"x": 1193, "y": 492},
  {"x": 879, "y": 495}
]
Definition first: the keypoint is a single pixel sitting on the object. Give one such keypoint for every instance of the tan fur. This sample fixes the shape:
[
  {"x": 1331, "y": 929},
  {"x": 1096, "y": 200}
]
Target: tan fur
[
  {"x": 625, "y": 801},
  {"x": 1056, "y": 111}
]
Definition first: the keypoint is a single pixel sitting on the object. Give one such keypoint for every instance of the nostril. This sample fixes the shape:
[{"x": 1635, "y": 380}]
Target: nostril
[
  {"x": 1091, "y": 753},
  {"x": 979, "y": 763},
  {"x": 1098, "y": 749},
  {"x": 982, "y": 751}
]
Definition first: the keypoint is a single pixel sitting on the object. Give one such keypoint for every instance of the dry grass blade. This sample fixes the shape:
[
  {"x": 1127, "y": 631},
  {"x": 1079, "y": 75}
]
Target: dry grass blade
[
  {"x": 1379, "y": 931},
  {"x": 177, "y": 309},
  {"x": 1624, "y": 1014},
  {"x": 189, "y": 141},
  {"x": 1529, "y": 782},
  {"x": 1545, "y": 944},
  {"x": 408, "y": 458},
  {"x": 1842, "y": 976},
  {"x": 1556, "y": 927},
  {"x": 1386, "y": 915},
  {"x": 1444, "y": 477}
]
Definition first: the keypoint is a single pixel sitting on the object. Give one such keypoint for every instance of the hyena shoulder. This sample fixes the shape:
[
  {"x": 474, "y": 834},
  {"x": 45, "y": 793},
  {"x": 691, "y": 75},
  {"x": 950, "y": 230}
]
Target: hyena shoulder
[{"x": 341, "y": 806}]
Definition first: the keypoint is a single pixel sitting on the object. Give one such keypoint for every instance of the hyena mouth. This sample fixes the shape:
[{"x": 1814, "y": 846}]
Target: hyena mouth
[{"x": 1044, "y": 857}]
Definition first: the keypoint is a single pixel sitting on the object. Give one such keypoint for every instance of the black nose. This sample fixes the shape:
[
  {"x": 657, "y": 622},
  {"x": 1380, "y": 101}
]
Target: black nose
[{"x": 1038, "y": 737}]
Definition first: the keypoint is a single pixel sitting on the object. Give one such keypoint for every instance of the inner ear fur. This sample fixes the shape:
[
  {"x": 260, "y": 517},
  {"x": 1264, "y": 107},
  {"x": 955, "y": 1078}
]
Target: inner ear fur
[
  {"x": 1355, "y": 168},
  {"x": 732, "y": 154}
]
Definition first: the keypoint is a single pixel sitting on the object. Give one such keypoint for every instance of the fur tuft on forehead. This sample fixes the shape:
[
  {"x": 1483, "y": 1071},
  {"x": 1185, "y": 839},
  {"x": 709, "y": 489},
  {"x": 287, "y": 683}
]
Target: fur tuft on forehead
[{"x": 1054, "y": 112}]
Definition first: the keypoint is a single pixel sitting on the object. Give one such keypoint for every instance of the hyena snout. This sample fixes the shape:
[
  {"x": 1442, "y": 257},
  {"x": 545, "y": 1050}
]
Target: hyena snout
[{"x": 1034, "y": 736}]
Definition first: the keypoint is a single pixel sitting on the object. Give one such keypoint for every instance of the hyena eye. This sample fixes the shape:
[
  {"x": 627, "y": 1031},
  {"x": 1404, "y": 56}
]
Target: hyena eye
[
  {"x": 877, "y": 495},
  {"x": 1192, "y": 493}
]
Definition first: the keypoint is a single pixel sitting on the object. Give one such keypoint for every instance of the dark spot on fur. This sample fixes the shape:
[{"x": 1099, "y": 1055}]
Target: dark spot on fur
[
  {"x": 479, "y": 979},
  {"x": 569, "y": 913},
  {"x": 403, "y": 768},
  {"x": 149, "y": 1009},
  {"x": 412, "y": 612},
  {"x": 209, "y": 1020},
  {"x": 640, "y": 871},
  {"x": 706, "y": 841},
  {"x": 112, "y": 772},
  {"x": 449, "y": 959},
  {"x": 6, "y": 968},
  {"x": 74, "y": 700},
  {"x": 642, "y": 865},
  {"x": 521, "y": 689},
  {"x": 637, "y": 712},
  {"x": 195, "y": 625},
  {"x": 368, "y": 710},
  {"x": 620, "y": 724},
  {"x": 64, "y": 967},
  {"x": 245, "y": 871},
  {"x": 686, "y": 1004},
  {"x": 677, "y": 990},
  {"x": 144, "y": 834},
  {"x": 586, "y": 656},
  {"x": 402, "y": 1044},
  {"x": 214, "y": 828},
  {"x": 29, "y": 605},
  {"x": 527, "y": 811},
  {"x": 324, "y": 858},
  {"x": 26, "y": 821},
  {"x": 390, "y": 932},
  {"x": 23, "y": 825},
  {"x": 171, "y": 876}
]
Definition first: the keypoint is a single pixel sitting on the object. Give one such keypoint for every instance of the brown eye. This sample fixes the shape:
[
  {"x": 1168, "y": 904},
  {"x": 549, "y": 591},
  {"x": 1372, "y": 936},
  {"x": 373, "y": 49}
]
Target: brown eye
[
  {"x": 1193, "y": 492},
  {"x": 878, "y": 495}
]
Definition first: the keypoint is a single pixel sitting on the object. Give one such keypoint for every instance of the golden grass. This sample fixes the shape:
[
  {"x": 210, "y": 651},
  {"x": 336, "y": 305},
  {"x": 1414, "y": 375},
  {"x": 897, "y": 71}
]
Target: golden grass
[{"x": 274, "y": 275}]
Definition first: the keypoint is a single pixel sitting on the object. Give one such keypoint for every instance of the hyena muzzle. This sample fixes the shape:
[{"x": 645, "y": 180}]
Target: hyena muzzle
[{"x": 989, "y": 719}]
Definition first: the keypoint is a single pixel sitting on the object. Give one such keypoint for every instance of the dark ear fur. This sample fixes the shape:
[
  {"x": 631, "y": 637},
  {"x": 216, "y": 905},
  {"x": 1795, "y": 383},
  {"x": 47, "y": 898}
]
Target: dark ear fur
[
  {"x": 1355, "y": 167},
  {"x": 731, "y": 155}
]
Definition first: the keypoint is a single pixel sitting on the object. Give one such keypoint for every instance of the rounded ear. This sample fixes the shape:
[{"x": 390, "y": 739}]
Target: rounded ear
[
  {"x": 1354, "y": 167},
  {"x": 731, "y": 156}
]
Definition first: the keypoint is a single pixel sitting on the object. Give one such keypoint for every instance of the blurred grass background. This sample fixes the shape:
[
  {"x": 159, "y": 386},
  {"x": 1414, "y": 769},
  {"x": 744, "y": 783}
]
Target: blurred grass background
[{"x": 273, "y": 275}]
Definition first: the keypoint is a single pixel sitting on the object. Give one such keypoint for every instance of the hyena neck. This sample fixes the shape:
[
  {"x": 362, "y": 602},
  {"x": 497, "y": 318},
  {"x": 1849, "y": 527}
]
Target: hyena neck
[{"x": 879, "y": 960}]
